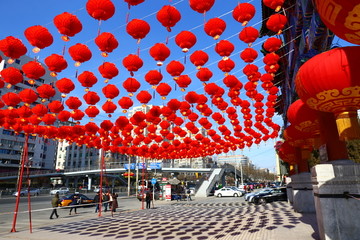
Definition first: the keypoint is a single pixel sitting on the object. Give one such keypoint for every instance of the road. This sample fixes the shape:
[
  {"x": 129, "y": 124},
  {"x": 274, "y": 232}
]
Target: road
[
  {"x": 41, "y": 209},
  {"x": 202, "y": 218}
]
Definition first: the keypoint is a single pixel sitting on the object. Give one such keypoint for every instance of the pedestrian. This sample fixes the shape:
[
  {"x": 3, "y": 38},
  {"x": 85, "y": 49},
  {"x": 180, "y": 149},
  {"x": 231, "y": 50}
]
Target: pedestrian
[
  {"x": 148, "y": 199},
  {"x": 97, "y": 202},
  {"x": 55, "y": 202},
  {"x": 75, "y": 201},
  {"x": 114, "y": 203},
  {"x": 188, "y": 194},
  {"x": 110, "y": 199},
  {"x": 106, "y": 201}
]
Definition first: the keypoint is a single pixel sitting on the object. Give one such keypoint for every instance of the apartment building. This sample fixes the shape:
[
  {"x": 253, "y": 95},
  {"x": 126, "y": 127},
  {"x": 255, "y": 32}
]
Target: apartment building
[{"x": 41, "y": 151}]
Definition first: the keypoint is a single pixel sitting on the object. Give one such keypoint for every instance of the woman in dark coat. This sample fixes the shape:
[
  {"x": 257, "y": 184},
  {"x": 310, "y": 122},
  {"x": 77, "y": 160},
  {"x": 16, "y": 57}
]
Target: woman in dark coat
[
  {"x": 73, "y": 205},
  {"x": 114, "y": 204}
]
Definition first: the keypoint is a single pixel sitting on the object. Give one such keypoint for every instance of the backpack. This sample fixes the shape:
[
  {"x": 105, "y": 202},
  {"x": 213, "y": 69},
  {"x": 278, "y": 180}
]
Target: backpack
[{"x": 105, "y": 198}]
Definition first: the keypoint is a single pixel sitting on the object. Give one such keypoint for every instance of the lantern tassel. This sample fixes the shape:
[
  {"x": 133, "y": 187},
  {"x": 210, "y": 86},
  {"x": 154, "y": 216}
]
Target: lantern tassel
[{"x": 99, "y": 26}]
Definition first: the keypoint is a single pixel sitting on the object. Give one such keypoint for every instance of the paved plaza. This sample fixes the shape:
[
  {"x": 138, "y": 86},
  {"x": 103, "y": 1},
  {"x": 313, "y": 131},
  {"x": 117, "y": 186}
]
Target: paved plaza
[{"x": 199, "y": 219}]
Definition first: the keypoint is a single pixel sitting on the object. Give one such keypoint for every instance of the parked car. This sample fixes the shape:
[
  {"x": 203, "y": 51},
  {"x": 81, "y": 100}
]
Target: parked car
[
  {"x": 238, "y": 189},
  {"x": 104, "y": 189},
  {"x": 227, "y": 192},
  {"x": 24, "y": 192},
  {"x": 276, "y": 194},
  {"x": 249, "y": 196},
  {"x": 61, "y": 191},
  {"x": 66, "y": 200}
]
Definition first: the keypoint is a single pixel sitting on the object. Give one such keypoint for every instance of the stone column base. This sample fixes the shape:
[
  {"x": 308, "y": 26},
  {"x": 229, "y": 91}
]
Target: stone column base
[
  {"x": 303, "y": 198},
  {"x": 289, "y": 190},
  {"x": 335, "y": 184}
]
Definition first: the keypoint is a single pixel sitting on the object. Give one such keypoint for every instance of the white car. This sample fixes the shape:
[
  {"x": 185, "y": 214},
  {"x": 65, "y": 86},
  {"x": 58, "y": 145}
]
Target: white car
[
  {"x": 227, "y": 192},
  {"x": 61, "y": 191},
  {"x": 24, "y": 192}
]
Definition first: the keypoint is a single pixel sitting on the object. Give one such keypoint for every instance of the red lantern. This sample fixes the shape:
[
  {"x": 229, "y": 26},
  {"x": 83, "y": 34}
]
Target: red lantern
[
  {"x": 271, "y": 58},
  {"x": 231, "y": 81},
  {"x": 106, "y": 42},
  {"x": 183, "y": 81},
  {"x": 276, "y": 23},
  {"x": 11, "y": 99},
  {"x": 204, "y": 74},
  {"x": 249, "y": 35},
  {"x": 12, "y": 76},
  {"x": 138, "y": 29},
  {"x": 168, "y": 16},
  {"x": 134, "y": 2},
  {"x": 56, "y": 106},
  {"x": 39, "y": 37},
  {"x": 215, "y": 27},
  {"x": 212, "y": 89},
  {"x": 77, "y": 115},
  {"x": 175, "y": 68},
  {"x": 91, "y": 98},
  {"x": 303, "y": 118},
  {"x": 185, "y": 40},
  {"x": 248, "y": 55},
  {"x": 132, "y": 63},
  {"x": 272, "y": 44},
  {"x": 73, "y": 103},
  {"x": 109, "y": 107},
  {"x": 110, "y": 91},
  {"x": 28, "y": 96},
  {"x": 65, "y": 85},
  {"x": 159, "y": 52},
  {"x": 80, "y": 53},
  {"x": 243, "y": 13},
  {"x": 106, "y": 125},
  {"x": 201, "y": 6},
  {"x": 49, "y": 119},
  {"x": 100, "y": 9},
  {"x": 191, "y": 97},
  {"x": 68, "y": 25},
  {"x": 12, "y": 48},
  {"x": 87, "y": 79},
  {"x": 143, "y": 97},
  {"x": 224, "y": 48},
  {"x": 55, "y": 63},
  {"x": 341, "y": 17},
  {"x": 108, "y": 70},
  {"x": 163, "y": 89},
  {"x": 92, "y": 111},
  {"x": 250, "y": 70},
  {"x": 23, "y": 111},
  {"x": 131, "y": 85},
  {"x": 274, "y": 4},
  {"x": 33, "y": 70},
  {"x": 329, "y": 82},
  {"x": 226, "y": 65},
  {"x": 153, "y": 77},
  {"x": 125, "y": 103},
  {"x": 39, "y": 110},
  {"x": 199, "y": 58}
]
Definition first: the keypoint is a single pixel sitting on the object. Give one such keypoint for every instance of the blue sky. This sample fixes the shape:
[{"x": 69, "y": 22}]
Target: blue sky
[{"x": 20, "y": 14}]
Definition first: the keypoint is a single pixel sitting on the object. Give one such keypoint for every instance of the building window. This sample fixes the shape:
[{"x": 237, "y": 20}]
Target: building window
[{"x": 7, "y": 132}]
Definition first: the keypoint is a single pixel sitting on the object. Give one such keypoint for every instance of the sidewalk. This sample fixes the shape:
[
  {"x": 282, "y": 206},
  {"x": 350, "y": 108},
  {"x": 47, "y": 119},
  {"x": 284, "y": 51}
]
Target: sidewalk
[{"x": 200, "y": 219}]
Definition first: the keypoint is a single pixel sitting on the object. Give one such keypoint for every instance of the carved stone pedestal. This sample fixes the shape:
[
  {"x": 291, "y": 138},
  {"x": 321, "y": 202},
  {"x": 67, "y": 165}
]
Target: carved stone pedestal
[
  {"x": 336, "y": 186},
  {"x": 303, "y": 198},
  {"x": 289, "y": 190}
]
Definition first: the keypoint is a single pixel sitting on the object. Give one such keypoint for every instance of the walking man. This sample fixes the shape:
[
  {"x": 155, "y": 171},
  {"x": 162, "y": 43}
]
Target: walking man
[
  {"x": 55, "y": 202},
  {"x": 97, "y": 202}
]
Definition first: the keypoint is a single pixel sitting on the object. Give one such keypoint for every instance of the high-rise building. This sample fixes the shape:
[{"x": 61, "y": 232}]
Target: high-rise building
[
  {"x": 41, "y": 151},
  {"x": 235, "y": 160}
]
